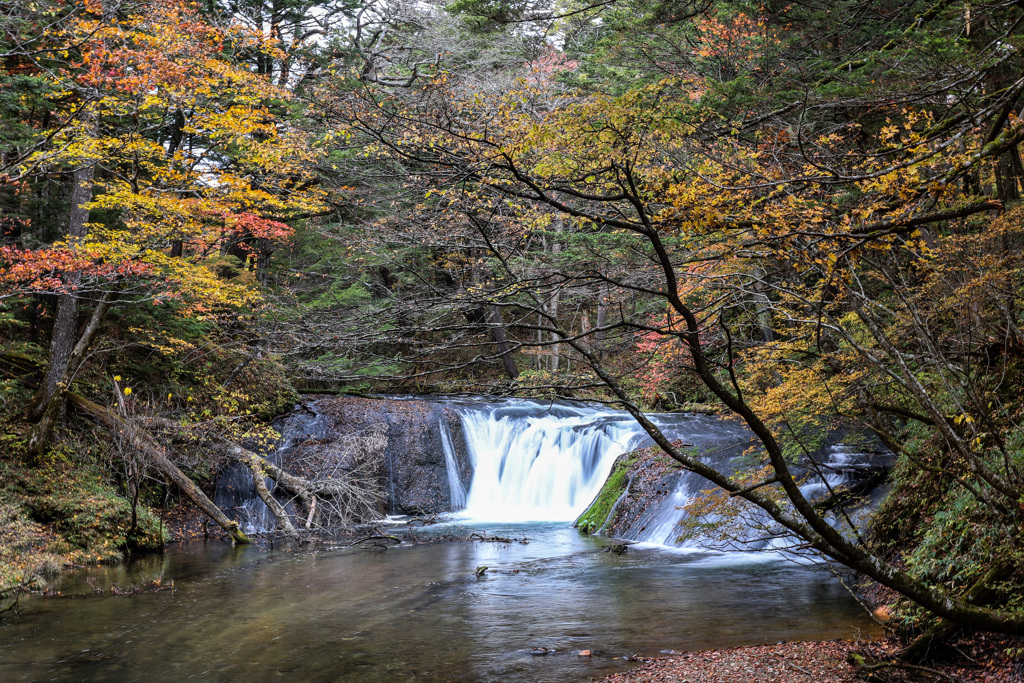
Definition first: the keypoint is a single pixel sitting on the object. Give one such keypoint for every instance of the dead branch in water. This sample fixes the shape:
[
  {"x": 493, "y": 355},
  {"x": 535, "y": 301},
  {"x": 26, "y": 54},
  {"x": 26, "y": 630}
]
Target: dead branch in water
[
  {"x": 341, "y": 486},
  {"x": 374, "y": 538}
]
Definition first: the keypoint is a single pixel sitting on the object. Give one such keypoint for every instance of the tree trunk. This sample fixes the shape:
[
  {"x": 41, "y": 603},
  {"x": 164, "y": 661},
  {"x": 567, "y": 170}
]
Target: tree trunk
[
  {"x": 977, "y": 594},
  {"x": 502, "y": 341},
  {"x": 490, "y": 315},
  {"x": 1008, "y": 176},
  {"x": 65, "y": 325},
  {"x": 41, "y": 433},
  {"x": 556, "y": 348},
  {"x": 763, "y": 306},
  {"x": 539, "y": 360},
  {"x": 142, "y": 441},
  {"x": 602, "y": 319}
]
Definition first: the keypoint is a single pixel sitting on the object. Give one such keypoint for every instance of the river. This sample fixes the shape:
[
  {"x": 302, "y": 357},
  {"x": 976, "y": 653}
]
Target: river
[{"x": 418, "y": 611}]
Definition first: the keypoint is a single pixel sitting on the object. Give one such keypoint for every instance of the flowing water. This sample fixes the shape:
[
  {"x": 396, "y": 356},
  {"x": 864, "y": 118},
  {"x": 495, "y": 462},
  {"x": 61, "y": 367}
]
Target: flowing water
[
  {"x": 421, "y": 613},
  {"x": 544, "y": 461},
  {"x": 416, "y": 613}
]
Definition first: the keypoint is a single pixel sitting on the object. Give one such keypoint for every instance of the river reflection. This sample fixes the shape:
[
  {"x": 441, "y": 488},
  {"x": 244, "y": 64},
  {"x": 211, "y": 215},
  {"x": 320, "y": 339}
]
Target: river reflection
[{"x": 416, "y": 613}]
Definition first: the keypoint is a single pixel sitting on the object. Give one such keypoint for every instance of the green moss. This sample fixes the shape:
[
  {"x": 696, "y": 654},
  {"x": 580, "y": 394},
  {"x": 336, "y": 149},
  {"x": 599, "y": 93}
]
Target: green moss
[
  {"x": 91, "y": 521},
  {"x": 597, "y": 514},
  {"x": 940, "y": 532}
]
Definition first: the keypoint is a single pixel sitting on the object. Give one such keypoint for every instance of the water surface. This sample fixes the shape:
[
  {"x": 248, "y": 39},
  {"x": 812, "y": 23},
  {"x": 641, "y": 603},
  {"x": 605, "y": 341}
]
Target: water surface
[{"x": 416, "y": 613}]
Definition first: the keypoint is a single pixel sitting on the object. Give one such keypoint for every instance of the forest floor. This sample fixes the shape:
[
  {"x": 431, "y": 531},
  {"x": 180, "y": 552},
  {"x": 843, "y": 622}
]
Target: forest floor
[{"x": 985, "y": 658}]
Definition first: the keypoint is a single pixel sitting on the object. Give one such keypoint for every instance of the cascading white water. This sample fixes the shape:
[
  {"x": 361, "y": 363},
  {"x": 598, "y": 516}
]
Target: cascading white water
[
  {"x": 455, "y": 487},
  {"x": 542, "y": 461},
  {"x": 546, "y": 461},
  {"x": 833, "y": 471},
  {"x": 661, "y": 524},
  {"x": 537, "y": 461}
]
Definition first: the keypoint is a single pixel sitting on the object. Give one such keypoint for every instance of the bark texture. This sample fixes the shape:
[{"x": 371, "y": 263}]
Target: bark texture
[
  {"x": 65, "y": 324},
  {"x": 42, "y": 432}
]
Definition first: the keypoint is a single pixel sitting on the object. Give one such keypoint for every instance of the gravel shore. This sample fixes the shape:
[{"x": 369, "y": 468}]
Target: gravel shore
[{"x": 984, "y": 659}]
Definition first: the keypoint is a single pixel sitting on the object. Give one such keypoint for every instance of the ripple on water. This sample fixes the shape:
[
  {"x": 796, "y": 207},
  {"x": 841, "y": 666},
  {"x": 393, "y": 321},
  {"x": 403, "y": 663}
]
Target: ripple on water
[{"x": 418, "y": 613}]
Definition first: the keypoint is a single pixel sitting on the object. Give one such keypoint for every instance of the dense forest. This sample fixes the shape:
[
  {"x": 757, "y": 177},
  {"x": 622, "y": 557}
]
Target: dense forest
[{"x": 801, "y": 214}]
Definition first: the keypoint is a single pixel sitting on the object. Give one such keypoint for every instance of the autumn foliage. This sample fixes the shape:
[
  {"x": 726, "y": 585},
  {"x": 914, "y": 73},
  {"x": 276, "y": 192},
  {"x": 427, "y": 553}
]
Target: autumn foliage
[{"x": 189, "y": 148}]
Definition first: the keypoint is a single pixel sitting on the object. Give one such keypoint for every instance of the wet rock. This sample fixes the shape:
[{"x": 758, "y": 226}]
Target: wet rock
[
  {"x": 410, "y": 469},
  {"x": 414, "y": 472},
  {"x": 648, "y": 489}
]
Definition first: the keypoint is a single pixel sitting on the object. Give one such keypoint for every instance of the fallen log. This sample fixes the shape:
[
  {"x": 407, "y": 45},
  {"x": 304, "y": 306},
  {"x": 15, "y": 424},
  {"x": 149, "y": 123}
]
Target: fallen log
[
  {"x": 276, "y": 509},
  {"x": 142, "y": 441},
  {"x": 259, "y": 467},
  {"x": 337, "y": 497},
  {"x": 293, "y": 485}
]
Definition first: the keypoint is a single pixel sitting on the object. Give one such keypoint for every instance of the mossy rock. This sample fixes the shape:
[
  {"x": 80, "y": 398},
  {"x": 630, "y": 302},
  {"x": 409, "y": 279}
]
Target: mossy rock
[{"x": 595, "y": 516}]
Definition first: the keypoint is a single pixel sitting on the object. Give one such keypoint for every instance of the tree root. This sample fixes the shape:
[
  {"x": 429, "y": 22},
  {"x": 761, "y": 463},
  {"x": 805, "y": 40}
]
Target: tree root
[{"x": 861, "y": 663}]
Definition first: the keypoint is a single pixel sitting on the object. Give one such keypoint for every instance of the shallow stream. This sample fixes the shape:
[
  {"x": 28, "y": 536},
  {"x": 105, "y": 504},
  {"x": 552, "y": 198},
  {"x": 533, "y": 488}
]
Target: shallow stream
[{"x": 416, "y": 613}]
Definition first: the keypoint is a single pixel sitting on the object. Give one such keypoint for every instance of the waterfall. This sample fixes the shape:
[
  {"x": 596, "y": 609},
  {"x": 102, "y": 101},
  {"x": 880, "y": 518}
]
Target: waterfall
[
  {"x": 537, "y": 461},
  {"x": 533, "y": 461},
  {"x": 542, "y": 461},
  {"x": 455, "y": 487},
  {"x": 546, "y": 461}
]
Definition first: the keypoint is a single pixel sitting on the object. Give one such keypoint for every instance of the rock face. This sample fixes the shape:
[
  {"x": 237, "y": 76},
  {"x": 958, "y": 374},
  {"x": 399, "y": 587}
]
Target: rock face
[
  {"x": 235, "y": 493},
  {"x": 644, "y": 496},
  {"x": 415, "y": 471},
  {"x": 651, "y": 477},
  {"x": 409, "y": 464},
  {"x": 640, "y": 484}
]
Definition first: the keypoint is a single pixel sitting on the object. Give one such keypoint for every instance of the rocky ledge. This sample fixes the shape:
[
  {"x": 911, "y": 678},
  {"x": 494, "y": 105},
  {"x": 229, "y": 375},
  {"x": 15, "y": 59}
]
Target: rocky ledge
[{"x": 414, "y": 472}]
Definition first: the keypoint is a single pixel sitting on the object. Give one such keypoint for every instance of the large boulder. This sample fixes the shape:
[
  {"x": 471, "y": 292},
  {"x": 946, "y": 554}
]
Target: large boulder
[{"x": 414, "y": 469}]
